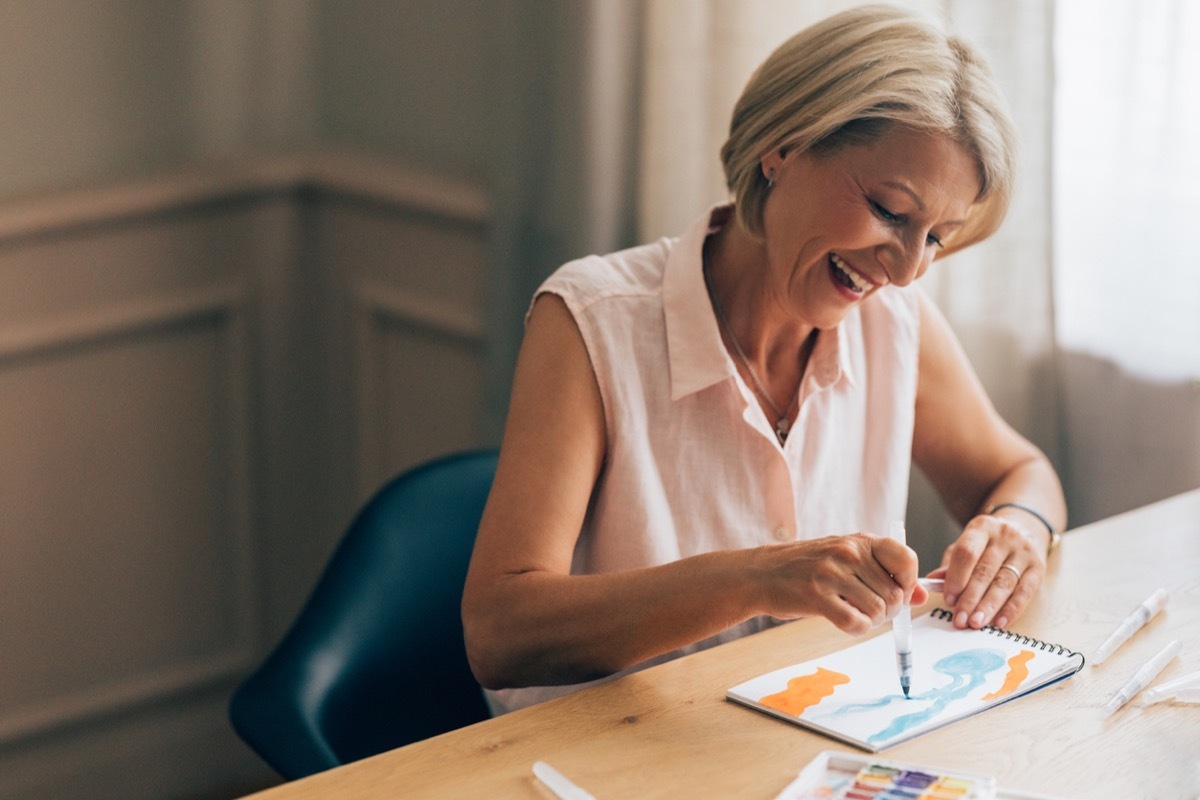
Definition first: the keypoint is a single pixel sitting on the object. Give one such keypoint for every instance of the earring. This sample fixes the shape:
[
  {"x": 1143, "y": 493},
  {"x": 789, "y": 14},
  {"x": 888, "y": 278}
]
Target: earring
[{"x": 771, "y": 178}]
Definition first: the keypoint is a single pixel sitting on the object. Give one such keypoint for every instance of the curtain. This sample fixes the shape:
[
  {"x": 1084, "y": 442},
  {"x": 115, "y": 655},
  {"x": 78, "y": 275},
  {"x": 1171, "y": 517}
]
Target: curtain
[
  {"x": 997, "y": 295},
  {"x": 563, "y": 160},
  {"x": 1127, "y": 270}
]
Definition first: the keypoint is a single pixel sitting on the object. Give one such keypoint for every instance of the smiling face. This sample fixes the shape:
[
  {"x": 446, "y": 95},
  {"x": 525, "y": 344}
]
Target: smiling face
[{"x": 837, "y": 226}]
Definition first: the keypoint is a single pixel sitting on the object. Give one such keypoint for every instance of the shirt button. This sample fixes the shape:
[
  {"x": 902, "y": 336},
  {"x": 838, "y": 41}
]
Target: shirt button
[{"x": 782, "y": 534}]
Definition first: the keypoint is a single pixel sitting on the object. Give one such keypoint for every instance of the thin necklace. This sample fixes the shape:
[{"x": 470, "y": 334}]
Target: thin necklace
[{"x": 783, "y": 421}]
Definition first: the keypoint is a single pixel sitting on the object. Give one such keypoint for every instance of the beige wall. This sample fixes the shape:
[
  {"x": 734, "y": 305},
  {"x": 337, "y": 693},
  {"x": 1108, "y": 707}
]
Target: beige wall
[
  {"x": 202, "y": 375},
  {"x": 99, "y": 90},
  {"x": 209, "y": 353}
]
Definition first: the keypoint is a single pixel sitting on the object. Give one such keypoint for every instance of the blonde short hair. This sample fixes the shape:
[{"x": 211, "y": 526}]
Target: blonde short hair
[{"x": 846, "y": 80}]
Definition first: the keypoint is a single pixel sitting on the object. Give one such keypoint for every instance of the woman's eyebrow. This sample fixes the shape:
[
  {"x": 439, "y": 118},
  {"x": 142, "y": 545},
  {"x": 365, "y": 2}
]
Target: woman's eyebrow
[{"x": 908, "y": 190}]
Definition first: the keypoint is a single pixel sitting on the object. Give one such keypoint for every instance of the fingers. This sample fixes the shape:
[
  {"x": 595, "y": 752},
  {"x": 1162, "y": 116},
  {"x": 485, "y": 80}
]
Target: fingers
[
  {"x": 991, "y": 573},
  {"x": 1021, "y": 593},
  {"x": 857, "y": 582},
  {"x": 898, "y": 562},
  {"x": 860, "y": 593}
]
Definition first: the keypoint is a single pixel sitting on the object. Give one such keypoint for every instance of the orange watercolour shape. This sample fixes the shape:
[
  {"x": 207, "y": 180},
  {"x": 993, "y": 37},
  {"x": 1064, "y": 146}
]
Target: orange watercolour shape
[
  {"x": 1018, "y": 671},
  {"x": 805, "y": 691}
]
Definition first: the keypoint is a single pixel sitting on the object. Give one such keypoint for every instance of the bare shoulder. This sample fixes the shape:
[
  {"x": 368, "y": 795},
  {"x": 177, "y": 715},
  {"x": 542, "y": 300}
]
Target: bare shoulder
[
  {"x": 554, "y": 375},
  {"x": 554, "y": 445}
]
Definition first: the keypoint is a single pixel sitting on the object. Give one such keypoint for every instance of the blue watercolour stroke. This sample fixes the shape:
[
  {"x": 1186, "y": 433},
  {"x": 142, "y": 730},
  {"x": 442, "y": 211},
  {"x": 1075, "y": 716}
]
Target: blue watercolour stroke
[{"x": 967, "y": 670}]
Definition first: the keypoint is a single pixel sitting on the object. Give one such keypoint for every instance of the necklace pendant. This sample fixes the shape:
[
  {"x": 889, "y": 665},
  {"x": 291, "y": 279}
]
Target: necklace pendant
[{"x": 781, "y": 429}]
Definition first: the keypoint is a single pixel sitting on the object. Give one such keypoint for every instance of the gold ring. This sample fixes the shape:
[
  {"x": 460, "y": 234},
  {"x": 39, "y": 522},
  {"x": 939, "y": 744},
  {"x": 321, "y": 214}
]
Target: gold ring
[{"x": 1012, "y": 569}]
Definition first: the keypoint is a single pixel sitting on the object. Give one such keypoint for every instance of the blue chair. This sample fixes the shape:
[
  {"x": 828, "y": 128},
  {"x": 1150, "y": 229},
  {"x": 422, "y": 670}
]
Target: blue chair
[{"x": 376, "y": 658}]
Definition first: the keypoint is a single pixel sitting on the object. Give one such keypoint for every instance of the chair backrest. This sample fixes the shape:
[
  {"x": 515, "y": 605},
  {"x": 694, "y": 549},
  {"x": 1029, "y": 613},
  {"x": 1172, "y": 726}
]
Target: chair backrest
[{"x": 376, "y": 658}]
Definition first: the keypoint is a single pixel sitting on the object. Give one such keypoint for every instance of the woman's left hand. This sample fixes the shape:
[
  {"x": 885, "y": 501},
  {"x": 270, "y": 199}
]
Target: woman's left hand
[{"x": 992, "y": 572}]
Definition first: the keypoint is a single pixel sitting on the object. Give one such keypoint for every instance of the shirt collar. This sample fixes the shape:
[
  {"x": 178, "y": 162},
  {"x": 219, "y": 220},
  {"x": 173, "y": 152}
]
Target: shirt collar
[
  {"x": 695, "y": 352},
  {"x": 694, "y": 349}
]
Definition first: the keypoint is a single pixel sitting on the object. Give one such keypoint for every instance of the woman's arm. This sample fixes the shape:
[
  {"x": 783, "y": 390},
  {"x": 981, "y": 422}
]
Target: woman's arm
[
  {"x": 529, "y": 622},
  {"x": 976, "y": 461}
]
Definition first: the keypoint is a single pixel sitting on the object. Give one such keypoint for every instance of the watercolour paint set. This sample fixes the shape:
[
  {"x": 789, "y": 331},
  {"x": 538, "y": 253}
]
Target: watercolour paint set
[
  {"x": 848, "y": 776},
  {"x": 845, "y": 776},
  {"x": 853, "y": 695}
]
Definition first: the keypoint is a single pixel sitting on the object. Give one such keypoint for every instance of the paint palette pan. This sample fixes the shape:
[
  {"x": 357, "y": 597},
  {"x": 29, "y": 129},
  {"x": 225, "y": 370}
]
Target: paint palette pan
[{"x": 845, "y": 776}]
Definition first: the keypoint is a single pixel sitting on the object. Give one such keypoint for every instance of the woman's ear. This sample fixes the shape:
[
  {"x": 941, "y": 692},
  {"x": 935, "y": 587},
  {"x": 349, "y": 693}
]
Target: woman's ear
[{"x": 772, "y": 163}]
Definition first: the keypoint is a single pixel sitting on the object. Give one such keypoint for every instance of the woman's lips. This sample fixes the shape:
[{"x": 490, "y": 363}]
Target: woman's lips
[{"x": 847, "y": 277}]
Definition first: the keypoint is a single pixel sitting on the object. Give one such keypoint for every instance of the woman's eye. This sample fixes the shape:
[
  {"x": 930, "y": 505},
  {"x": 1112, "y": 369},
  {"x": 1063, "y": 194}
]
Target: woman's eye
[
  {"x": 884, "y": 213},
  {"x": 899, "y": 219}
]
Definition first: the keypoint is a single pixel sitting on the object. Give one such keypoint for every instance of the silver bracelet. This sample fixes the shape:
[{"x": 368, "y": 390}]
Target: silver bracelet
[{"x": 1055, "y": 537}]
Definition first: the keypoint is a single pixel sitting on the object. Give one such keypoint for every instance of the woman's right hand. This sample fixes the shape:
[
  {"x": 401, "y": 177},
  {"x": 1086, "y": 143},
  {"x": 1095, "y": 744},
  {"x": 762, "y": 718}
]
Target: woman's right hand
[{"x": 857, "y": 582}]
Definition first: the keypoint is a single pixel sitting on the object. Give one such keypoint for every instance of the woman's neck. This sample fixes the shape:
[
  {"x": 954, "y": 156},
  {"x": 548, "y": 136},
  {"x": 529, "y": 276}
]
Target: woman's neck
[
  {"x": 756, "y": 305},
  {"x": 769, "y": 346}
]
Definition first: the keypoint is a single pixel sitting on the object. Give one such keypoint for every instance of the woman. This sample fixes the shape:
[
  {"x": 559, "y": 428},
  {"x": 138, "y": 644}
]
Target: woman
[{"x": 708, "y": 434}]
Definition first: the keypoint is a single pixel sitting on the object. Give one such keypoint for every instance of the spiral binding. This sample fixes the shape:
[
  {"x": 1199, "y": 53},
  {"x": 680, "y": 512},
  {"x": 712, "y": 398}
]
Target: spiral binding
[{"x": 1012, "y": 636}]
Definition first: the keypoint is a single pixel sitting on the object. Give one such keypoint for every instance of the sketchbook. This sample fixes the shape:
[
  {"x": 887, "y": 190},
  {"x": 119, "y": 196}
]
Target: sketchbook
[{"x": 853, "y": 695}]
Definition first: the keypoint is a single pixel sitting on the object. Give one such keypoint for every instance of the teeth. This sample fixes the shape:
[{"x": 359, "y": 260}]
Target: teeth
[{"x": 855, "y": 278}]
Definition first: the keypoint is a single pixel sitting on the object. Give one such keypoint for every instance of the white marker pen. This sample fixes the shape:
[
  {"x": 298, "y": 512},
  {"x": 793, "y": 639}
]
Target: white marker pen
[
  {"x": 1141, "y": 679},
  {"x": 1165, "y": 691},
  {"x": 1132, "y": 624},
  {"x": 1188, "y": 695},
  {"x": 559, "y": 784},
  {"x": 902, "y": 627}
]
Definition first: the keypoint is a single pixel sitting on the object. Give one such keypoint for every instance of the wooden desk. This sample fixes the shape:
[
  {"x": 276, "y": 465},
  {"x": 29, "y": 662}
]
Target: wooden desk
[{"x": 669, "y": 732}]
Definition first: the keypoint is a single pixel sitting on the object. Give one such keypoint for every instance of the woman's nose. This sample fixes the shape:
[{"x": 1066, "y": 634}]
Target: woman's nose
[{"x": 905, "y": 261}]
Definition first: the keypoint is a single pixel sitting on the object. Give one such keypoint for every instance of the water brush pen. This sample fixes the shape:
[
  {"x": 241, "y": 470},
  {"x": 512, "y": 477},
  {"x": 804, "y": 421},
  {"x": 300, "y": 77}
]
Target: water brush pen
[{"x": 902, "y": 626}]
